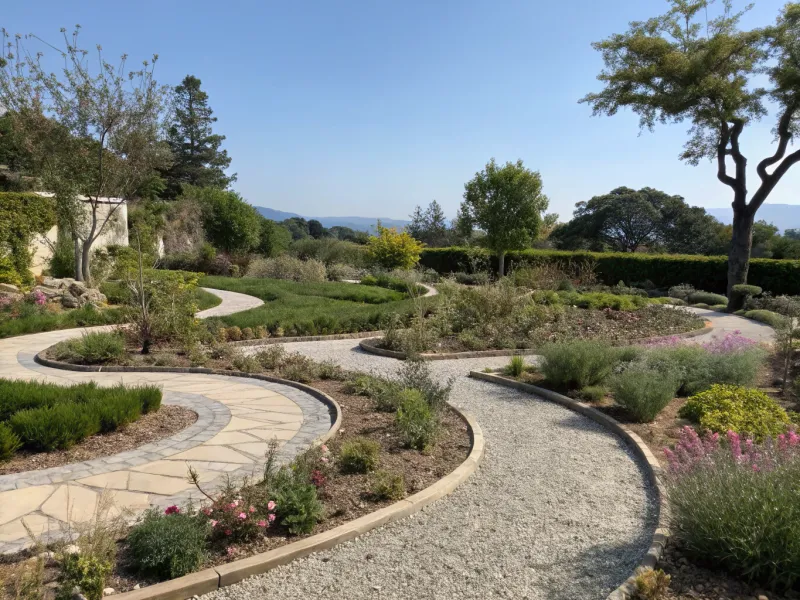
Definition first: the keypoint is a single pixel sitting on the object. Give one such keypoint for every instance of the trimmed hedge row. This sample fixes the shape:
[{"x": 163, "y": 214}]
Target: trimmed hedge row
[
  {"x": 46, "y": 417},
  {"x": 708, "y": 273}
]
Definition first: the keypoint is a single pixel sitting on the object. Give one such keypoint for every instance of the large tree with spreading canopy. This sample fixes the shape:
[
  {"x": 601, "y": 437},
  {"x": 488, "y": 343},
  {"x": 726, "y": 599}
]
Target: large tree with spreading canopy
[{"x": 687, "y": 66}]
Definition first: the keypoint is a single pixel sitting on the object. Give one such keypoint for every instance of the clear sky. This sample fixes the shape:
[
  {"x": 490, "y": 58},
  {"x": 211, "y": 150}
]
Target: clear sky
[{"x": 370, "y": 107}]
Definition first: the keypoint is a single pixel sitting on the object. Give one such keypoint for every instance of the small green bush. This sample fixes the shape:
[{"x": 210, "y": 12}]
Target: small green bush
[
  {"x": 578, "y": 364},
  {"x": 772, "y": 319},
  {"x": 271, "y": 357},
  {"x": 600, "y": 300},
  {"x": 593, "y": 393},
  {"x": 359, "y": 455},
  {"x": 724, "y": 408},
  {"x": 91, "y": 348},
  {"x": 643, "y": 392},
  {"x": 746, "y": 290},
  {"x": 701, "y": 305},
  {"x": 297, "y": 504},
  {"x": 167, "y": 546},
  {"x": 88, "y": 573},
  {"x": 516, "y": 366},
  {"x": 417, "y": 375},
  {"x": 386, "y": 485},
  {"x": 234, "y": 333},
  {"x": 298, "y": 367},
  {"x": 681, "y": 291},
  {"x": 706, "y": 298},
  {"x": 415, "y": 420},
  {"x": 55, "y": 427},
  {"x": 9, "y": 442},
  {"x": 719, "y": 307}
]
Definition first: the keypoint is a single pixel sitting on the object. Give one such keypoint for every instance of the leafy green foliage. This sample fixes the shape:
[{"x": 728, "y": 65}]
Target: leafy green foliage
[
  {"x": 386, "y": 485},
  {"x": 507, "y": 203},
  {"x": 22, "y": 318},
  {"x": 391, "y": 249},
  {"x": 168, "y": 546},
  {"x": 724, "y": 408},
  {"x": 298, "y": 507},
  {"x": 643, "y": 392},
  {"x": 359, "y": 455},
  {"x": 88, "y": 573},
  {"x": 417, "y": 375},
  {"x": 599, "y": 300},
  {"x": 772, "y": 319},
  {"x": 415, "y": 420},
  {"x": 230, "y": 223},
  {"x": 91, "y": 348},
  {"x": 706, "y": 298},
  {"x": 578, "y": 364},
  {"x": 22, "y": 216},
  {"x": 664, "y": 270},
  {"x": 9, "y": 442},
  {"x": 516, "y": 366}
]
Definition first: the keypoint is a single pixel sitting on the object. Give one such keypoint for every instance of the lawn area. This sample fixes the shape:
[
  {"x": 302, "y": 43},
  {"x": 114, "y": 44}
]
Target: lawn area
[
  {"x": 23, "y": 318},
  {"x": 311, "y": 308}
]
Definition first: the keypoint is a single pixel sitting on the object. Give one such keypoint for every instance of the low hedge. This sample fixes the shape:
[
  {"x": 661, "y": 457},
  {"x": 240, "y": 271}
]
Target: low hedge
[
  {"x": 664, "y": 270},
  {"x": 47, "y": 417}
]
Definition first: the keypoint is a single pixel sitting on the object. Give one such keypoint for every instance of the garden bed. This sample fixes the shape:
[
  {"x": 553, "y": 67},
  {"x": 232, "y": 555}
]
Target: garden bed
[{"x": 167, "y": 421}]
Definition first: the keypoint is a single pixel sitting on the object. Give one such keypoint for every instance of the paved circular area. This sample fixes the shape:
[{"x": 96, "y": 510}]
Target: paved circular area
[{"x": 237, "y": 417}]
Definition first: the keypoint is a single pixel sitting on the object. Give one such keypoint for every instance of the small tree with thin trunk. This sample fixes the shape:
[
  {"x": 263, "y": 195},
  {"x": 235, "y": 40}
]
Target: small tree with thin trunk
[
  {"x": 683, "y": 66},
  {"x": 92, "y": 130},
  {"x": 507, "y": 203}
]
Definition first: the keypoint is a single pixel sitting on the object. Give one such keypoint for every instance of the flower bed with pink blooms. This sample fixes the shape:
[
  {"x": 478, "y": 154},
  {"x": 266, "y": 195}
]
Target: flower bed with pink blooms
[{"x": 735, "y": 504}]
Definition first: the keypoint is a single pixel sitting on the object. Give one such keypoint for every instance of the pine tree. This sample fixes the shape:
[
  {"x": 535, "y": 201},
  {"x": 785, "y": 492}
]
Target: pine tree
[{"x": 198, "y": 159}]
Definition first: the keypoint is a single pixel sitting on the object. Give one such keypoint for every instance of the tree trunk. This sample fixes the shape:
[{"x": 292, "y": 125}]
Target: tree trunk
[
  {"x": 85, "y": 261},
  {"x": 739, "y": 255},
  {"x": 78, "y": 258},
  {"x": 501, "y": 263}
]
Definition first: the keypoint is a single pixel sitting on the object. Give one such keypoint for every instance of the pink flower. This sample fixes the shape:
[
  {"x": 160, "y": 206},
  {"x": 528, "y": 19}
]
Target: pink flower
[
  {"x": 214, "y": 523},
  {"x": 242, "y": 516},
  {"x": 252, "y": 509},
  {"x": 207, "y": 512},
  {"x": 228, "y": 532},
  {"x": 324, "y": 448},
  {"x": 270, "y": 505},
  {"x": 233, "y": 505},
  {"x": 271, "y": 518},
  {"x": 324, "y": 459},
  {"x": 172, "y": 510},
  {"x": 262, "y": 523},
  {"x": 231, "y": 550}
]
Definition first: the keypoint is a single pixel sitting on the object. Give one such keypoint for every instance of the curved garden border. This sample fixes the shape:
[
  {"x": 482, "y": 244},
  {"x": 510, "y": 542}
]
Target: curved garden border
[
  {"x": 647, "y": 459},
  {"x": 370, "y": 346},
  {"x": 213, "y": 578}
]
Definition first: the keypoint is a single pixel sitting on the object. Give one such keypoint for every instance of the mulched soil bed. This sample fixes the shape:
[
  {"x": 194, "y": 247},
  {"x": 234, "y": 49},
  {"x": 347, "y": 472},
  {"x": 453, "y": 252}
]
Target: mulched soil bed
[
  {"x": 690, "y": 581},
  {"x": 345, "y": 496},
  {"x": 167, "y": 421}
]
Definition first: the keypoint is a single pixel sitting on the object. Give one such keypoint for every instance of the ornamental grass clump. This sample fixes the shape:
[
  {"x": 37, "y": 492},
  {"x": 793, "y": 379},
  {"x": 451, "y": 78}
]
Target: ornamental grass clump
[
  {"x": 724, "y": 408},
  {"x": 578, "y": 364},
  {"x": 735, "y": 504},
  {"x": 643, "y": 392}
]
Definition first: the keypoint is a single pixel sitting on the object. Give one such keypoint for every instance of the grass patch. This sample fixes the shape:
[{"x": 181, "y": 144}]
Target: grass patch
[
  {"x": 23, "y": 318},
  {"x": 293, "y": 308}
]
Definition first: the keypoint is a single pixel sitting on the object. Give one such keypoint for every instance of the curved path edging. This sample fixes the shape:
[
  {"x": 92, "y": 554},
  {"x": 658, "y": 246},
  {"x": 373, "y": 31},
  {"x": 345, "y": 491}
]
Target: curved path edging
[
  {"x": 214, "y": 578},
  {"x": 646, "y": 458}
]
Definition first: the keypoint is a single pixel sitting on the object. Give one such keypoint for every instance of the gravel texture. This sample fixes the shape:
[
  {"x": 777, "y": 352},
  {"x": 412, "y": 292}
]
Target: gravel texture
[{"x": 558, "y": 509}]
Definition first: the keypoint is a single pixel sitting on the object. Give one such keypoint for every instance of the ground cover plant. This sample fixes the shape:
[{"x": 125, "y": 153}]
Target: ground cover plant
[
  {"x": 21, "y": 318},
  {"x": 293, "y": 308},
  {"x": 44, "y": 417}
]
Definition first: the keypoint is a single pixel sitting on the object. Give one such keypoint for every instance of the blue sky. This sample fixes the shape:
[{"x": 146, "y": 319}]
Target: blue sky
[{"x": 368, "y": 108}]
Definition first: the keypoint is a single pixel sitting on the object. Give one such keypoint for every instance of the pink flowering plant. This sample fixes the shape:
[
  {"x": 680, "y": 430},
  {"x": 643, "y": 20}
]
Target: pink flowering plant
[
  {"x": 37, "y": 297},
  {"x": 735, "y": 503}
]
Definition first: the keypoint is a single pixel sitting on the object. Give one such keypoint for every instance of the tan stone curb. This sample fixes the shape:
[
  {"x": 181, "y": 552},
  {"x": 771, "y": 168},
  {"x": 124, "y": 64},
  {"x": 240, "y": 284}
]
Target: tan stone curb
[
  {"x": 647, "y": 459},
  {"x": 211, "y": 579}
]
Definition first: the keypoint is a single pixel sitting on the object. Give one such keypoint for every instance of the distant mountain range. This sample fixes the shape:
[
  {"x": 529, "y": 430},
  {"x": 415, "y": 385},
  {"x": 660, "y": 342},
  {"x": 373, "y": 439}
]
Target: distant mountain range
[
  {"x": 783, "y": 216},
  {"x": 358, "y": 223}
]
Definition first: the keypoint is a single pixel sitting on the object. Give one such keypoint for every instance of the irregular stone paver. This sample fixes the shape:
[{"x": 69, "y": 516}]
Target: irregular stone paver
[{"x": 217, "y": 445}]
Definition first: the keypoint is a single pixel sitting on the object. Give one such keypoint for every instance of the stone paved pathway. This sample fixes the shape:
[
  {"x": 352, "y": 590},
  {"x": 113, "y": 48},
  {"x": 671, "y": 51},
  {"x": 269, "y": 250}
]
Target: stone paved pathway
[
  {"x": 237, "y": 418},
  {"x": 724, "y": 324}
]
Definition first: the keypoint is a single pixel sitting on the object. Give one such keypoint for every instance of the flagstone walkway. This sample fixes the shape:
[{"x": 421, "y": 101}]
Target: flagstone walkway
[{"x": 237, "y": 417}]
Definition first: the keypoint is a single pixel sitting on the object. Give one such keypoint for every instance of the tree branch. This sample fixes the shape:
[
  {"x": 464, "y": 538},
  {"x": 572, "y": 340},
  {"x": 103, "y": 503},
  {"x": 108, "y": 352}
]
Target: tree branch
[
  {"x": 784, "y": 137},
  {"x": 722, "y": 152},
  {"x": 772, "y": 180}
]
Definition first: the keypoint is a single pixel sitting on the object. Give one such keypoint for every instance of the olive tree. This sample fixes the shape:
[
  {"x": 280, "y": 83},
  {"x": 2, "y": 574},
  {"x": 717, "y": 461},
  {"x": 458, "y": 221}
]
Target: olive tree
[
  {"x": 93, "y": 129},
  {"x": 507, "y": 203},
  {"x": 683, "y": 66}
]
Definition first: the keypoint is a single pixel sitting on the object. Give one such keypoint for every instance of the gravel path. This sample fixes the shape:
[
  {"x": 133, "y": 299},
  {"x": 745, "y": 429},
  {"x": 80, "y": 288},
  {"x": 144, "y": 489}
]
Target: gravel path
[{"x": 558, "y": 509}]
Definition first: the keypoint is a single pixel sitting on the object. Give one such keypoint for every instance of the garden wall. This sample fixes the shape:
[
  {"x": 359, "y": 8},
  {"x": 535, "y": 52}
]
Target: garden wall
[{"x": 708, "y": 273}]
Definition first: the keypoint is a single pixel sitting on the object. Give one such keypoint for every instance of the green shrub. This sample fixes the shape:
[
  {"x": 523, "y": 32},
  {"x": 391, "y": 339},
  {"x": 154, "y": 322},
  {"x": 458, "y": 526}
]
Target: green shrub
[
  {"x": 246, "y": 364},
  {"x": 55, "y": 427},
  {"x": 359, "y": 455},
  {"x": 676, "y": 302},
  {"x": 681, "y": 291},
  {"x": 578, "y": 364},
  {"x": 150, "y": 397},
  {"x": 772, "y": 319},
  {"x": 288, "y": 267},
  {"x": 297, "y": 505},
  {"x": 9, "y": 442},
  {"x": 746, "y": 290},
  {"x": 271, "y": 357},
  {"x": 415, "y": 420},
  {"x": 516, "y": 366},
  {"x": 417, "y": 375},
  {"x": 91, "y": 348},
  {"x": 700, "y": 305},
  {"x": 167, "y": 546},
  {"x": 593, "y": 393},
  {"x": 643, "y": 392},
  {"x": 386, "y": 485},
  {"x": 719, "y": 307},
  {"x": 724, "y": 408},
  {"x": 695, "y": 368},
  {"x": 709, "y": 298},
  {"x": 233, "y": 334},
  {"x": 600, "y": 300},
  {"x": 652, "y": 584},
  {"x": 88, "y": 573},
  {"x": 298, "y": 367}
]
